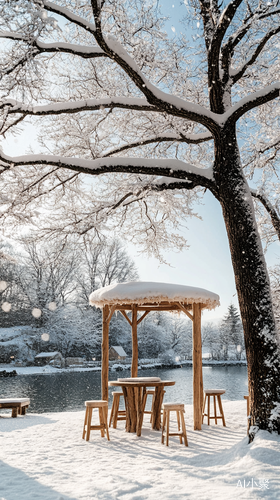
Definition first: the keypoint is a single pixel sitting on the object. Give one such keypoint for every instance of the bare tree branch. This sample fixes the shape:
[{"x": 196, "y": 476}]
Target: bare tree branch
[
  {"x": 274, "y": 216},
  {"x": 188, "y": 139},
  {"x": 237, "y": 75}
]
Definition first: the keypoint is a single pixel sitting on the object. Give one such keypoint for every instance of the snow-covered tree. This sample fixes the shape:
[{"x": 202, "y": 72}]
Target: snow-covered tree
[
  {"x": 45, "y": 275},
  {"x": 12, "y": 303},
  {"x": 116, "y": 97},
  {"x": 231, "y": 333},
  {"x": 152, "y": 335},
  {"x": 101, "y": 264},
  {"x": 53, "y": 283},
  {"x": 179, "y": 334},
  {"x": 211, "y": 340},
  {"x": 162, "y": 332}
]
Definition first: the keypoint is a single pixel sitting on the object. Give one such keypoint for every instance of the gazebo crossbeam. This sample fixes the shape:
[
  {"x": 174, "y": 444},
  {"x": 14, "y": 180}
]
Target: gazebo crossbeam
[{"x": 125, "y": 316}]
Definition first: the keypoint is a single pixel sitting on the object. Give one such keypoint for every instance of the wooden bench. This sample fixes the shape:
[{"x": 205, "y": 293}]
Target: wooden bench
[{"x": 17, "y": 405}]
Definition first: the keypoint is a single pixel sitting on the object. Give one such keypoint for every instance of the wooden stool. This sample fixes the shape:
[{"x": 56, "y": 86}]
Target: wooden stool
[
  {"x": 116, "y": 414},
  {"x": 179, "y": 408},
  {"x": 216, "y": 394},
  {"x": 150, "y": 393},
  {"x": 103, "y": 408}
]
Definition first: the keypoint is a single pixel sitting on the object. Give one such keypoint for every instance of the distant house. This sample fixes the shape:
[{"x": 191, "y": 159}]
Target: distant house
[
  {"x": 75, "y": 361},
  {"x": 116, "y": 352},
  {"x": 50, "y": 358}
]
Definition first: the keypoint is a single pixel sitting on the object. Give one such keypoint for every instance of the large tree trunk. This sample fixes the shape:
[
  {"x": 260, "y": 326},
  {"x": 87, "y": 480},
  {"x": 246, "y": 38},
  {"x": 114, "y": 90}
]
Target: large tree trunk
[{"x": 252, "y": 283}]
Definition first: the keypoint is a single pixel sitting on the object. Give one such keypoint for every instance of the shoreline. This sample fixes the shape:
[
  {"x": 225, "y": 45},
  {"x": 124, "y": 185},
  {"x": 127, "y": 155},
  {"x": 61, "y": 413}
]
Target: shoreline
[{"x": 32, "y": 370}]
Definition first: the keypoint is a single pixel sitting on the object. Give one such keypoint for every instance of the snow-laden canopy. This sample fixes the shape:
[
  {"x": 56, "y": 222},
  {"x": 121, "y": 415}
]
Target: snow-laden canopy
[{"x": 143, "y": 292}]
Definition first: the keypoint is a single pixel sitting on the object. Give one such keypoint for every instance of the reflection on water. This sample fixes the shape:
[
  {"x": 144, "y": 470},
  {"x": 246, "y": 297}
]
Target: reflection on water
[{"x": 67, "y": 391}]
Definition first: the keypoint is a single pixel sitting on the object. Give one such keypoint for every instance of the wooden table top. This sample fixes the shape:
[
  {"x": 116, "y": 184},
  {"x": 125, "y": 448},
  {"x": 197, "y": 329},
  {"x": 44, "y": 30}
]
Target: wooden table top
[{"x": 142, "y": 384}]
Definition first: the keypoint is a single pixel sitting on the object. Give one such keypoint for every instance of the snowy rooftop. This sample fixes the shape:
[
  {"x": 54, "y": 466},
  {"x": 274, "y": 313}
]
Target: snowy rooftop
[
  {"x": 47, "y": 354},
  {"x": 142, "y": 292},
  {"x": 119, "y": 350}
]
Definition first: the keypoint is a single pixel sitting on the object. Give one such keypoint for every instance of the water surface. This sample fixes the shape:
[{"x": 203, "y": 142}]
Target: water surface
[{"x": 67, "y": 391}]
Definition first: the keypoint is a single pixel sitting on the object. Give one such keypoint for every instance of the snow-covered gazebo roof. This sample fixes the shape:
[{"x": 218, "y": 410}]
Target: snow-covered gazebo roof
[
  {"x": 142, "y": 297},
  {"x": 153, "y": 294}
]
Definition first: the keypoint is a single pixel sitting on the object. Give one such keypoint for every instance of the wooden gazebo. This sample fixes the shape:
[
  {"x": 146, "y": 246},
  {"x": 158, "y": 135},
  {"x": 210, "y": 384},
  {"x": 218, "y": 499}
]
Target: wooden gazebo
[{"x": 139, "y": 298}]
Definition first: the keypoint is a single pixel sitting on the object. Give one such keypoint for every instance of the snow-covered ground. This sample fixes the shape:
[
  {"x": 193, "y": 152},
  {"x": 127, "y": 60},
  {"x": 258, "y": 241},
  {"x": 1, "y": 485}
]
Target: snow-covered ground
[{"x": 43, "y": 457}]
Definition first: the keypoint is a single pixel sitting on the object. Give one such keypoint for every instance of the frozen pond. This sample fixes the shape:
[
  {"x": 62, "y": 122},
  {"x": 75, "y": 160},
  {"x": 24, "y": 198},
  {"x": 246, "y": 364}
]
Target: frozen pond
[{"x": 67, "y": 391}]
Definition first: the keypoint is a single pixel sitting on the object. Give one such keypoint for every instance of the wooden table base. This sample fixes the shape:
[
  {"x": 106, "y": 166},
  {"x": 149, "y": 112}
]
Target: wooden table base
[
  {"x": 135, "y": 393},
  {"x": 135, "y": 405}
]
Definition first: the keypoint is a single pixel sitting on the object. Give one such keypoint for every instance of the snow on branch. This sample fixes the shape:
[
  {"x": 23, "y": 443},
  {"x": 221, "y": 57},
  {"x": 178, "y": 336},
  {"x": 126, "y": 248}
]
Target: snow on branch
[
  {"x": 70, "y": 16},
  {"x": 85, "y": 51},
  {"x": 249, "y": 102},
  {"x": 110, "y": 46},
  {"x": 166, "y": 167},
  {"x": 77, "y": 106},
  {"x": 134, "y": 103},
  {"x": 71, "y": 48},
  {"x": 165, "y": 102}
]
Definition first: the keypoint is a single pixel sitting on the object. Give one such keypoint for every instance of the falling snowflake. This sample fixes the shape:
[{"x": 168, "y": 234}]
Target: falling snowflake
[
  {"x": 45, "y": 337},
  {"x": 36, "y": 312},
  {"x": 52, "y": 306},
  {"x": 6, "y": 306}
]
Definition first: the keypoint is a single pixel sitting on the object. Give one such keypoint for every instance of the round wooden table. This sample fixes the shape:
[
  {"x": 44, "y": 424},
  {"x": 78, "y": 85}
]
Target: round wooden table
[{"x": 134, "y": 397}]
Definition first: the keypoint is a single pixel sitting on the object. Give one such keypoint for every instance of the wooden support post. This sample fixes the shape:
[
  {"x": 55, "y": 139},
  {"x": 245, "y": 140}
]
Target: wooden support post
[
  {"x": 134, "y": 364},
  {"x": 105, "y": 353},
  {"x": 197, "y": 368}
]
